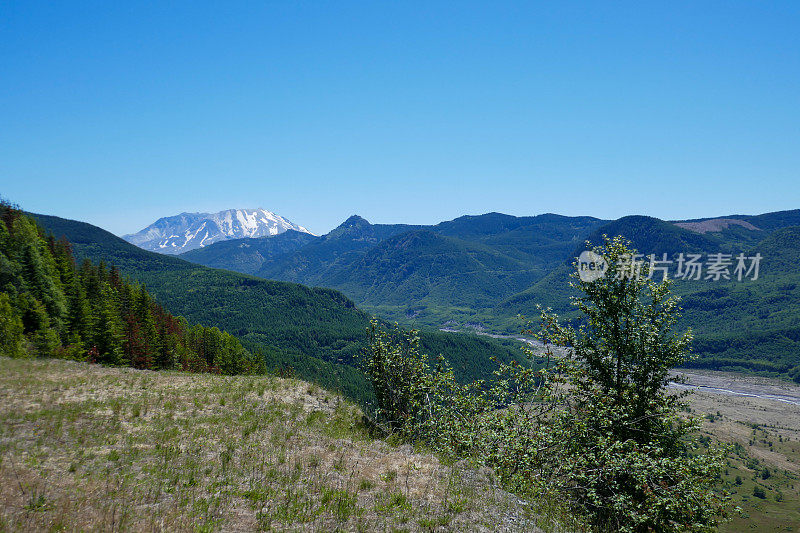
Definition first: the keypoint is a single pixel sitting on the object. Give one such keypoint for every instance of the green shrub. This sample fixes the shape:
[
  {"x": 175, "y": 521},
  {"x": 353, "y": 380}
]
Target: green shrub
[{"x": 596, "y": 429}]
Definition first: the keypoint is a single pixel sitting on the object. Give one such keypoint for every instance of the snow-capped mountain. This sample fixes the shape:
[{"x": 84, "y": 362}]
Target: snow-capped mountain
[{"x": 188, "y": 231}]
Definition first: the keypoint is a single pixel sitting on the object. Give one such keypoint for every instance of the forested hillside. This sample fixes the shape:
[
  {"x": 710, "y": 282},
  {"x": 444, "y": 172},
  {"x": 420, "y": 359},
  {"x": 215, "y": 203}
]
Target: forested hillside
[
  {"x": 484, "y": 271},
  {"x": 49, "y": 306},
  {"x": 311, "y": 332},
  {"x": 425, "y": 275},
  {"x": 749, "y": 325},
  {"x": 248, "y": 255}
]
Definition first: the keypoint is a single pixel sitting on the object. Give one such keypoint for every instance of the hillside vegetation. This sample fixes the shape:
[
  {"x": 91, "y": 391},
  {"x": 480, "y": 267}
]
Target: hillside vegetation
[
  {"x": 427, "y": 275},
  {"x": 483, "y": 271},
  {"x": 749, "y": 326},
  {"x": 90, "y": 448},
  {"x": 312, "y": 333},
  {"x": 51, "y": 307}
]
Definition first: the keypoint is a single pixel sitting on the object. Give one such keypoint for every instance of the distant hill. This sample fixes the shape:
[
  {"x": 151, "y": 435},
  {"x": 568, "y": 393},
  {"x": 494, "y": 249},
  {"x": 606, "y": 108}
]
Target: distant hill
[
  {"x": 250, "y": 254},
  {"x": 742, "y": 231},
  {"x": 189, "y": 231},
  {"x": 422, "y": 274},
  {"x": 314, "y": 331},
  {"x": 424, "y": 267},
  {"x": 341, "y": 247},
  {"x": 741, "y": 326}
]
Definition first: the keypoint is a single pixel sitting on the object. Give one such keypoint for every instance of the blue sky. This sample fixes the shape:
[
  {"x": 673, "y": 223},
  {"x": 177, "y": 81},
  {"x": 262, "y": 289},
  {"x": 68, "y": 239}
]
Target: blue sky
[{"x": 118, "y": 113}]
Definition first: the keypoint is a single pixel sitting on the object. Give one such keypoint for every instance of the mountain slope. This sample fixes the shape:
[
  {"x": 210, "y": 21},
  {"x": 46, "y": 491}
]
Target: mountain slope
[
  {"x": 742, "y": 231},
  {"x": 250, "y": 254},
  {"x": 458, "y": 266},
  {"x": 648, "y": 235},
  {"x": 338, "y": 249},
  {"x": 421, "y": 267},
  {"x": 752, "y": 325},
  {"x": 316, "y": 332},
  {"x": 188, "y": 231},
  {"x": 743, "y": 326}
]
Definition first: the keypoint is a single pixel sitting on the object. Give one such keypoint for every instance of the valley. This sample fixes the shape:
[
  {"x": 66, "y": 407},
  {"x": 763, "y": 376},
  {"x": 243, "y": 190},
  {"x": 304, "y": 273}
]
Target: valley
[
  {"x": 725, "y": 383},
  {"x": 387, "y": 267},
  {"x": 316, "y": 334},
  {"x": 493, "y": 269},
  {"x": 760, "y": 419}
]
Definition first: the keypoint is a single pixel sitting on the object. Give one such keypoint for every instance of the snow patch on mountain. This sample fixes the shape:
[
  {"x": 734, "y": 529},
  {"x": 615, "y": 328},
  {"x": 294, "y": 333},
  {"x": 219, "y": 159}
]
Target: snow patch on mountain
[{"x": 188, "y": 231}]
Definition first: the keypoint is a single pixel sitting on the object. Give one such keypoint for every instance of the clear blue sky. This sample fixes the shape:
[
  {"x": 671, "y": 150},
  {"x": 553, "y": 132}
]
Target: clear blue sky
[{"x": 117, "y": 113}]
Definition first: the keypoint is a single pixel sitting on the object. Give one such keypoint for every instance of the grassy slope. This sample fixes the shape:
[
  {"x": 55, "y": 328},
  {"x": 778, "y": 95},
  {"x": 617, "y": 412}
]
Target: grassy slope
[
  {"x": 86, "y": 447},
  {"x": 765, "y": 434},
  {"x": 316, "y": 332},
  {"x": 92, "y": 448}
]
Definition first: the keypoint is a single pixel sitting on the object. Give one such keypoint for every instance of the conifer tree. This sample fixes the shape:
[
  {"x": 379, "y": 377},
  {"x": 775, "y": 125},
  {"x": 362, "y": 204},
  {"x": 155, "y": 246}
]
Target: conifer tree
[
  {"x": 49, "y": 306},
  {"x": 12, "y": 340}
]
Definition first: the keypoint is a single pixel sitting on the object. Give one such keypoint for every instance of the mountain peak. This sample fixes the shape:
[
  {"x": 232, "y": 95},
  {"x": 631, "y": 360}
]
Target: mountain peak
[
  {"x": 188, "y": 231},
  {"x": 353, "y": 221}
]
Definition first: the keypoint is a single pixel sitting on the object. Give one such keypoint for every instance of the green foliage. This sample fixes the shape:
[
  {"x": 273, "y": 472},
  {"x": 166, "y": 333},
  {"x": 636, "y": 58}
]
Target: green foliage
[
  {"x": 627, "y": 459},
  {"x": 597, "y": 430},
  {"x": 51, "y": 307},
  {"x": 399, "y": 375},
  {"x": 310, "y": 333},
  {"x": 12, "y": 340}
]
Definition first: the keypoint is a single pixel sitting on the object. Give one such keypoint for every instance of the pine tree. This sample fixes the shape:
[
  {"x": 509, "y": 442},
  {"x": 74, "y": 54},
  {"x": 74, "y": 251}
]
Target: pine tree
[
  {"x": 48, "y": 307},
  {"x": 12, "y": 340},
  {"x": 107, "y": 330},
  {"x": 149, "y": 332}
]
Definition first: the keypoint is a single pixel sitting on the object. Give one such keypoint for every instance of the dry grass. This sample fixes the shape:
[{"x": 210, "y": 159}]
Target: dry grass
[
  {"x": 766, "y": 436},
  {"x": 88, "y": 448}
]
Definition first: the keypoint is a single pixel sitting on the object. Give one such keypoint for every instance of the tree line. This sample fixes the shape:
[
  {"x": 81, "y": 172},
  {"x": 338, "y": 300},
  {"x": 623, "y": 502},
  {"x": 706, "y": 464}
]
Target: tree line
[{"x": 52, "y": 307}]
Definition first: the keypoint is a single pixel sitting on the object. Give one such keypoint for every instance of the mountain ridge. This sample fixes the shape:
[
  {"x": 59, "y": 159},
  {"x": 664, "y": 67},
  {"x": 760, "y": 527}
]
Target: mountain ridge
[{"x": 312, "y": 332}]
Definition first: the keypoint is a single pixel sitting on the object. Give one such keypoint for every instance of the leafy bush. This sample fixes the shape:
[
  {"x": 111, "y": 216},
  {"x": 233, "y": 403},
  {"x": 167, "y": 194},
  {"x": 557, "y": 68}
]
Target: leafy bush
[
  {"x": 596, "y": 429},
  {"x": 399, "y": 376}
]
